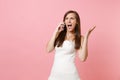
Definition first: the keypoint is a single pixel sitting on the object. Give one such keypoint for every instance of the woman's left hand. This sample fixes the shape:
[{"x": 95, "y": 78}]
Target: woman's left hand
[{"x": 89, "y": 32}]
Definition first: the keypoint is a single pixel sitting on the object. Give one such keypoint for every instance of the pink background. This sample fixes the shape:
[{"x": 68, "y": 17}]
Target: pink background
[{"x": 27, "y": 25}]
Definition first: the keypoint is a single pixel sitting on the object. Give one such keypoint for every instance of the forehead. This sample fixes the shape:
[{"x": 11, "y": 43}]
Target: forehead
[{"x": 70, "y": 15}]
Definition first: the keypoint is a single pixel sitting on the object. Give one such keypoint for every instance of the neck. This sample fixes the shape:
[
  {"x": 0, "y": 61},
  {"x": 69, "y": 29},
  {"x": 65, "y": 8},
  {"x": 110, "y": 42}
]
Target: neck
[
  {"x": 71, "y": 32},
  {"x": 70, "y": 35}
]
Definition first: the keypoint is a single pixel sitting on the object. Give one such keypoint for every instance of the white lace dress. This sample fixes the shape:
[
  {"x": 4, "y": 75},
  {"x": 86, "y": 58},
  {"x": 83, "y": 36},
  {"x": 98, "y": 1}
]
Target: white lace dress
[{"x": 64, "y": 63}]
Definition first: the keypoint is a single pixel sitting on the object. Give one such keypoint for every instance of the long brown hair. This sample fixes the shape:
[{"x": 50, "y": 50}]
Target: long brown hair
[{"x": 61, "y": 37}]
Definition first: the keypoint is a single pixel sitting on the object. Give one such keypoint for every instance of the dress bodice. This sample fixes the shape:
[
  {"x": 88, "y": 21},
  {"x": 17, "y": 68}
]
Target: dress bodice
[{"x": 66, "y": 52}]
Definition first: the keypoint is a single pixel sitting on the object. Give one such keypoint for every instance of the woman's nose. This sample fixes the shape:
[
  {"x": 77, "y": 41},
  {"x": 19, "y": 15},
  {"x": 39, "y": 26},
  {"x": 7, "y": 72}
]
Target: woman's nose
[{"x": 69, "y": 20}]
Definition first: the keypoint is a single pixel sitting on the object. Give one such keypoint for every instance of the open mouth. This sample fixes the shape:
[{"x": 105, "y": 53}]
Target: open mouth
[{"x": 70, "y": 25}]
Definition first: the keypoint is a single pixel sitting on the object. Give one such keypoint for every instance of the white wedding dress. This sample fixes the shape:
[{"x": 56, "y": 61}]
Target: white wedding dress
[{"x": 64, "y": 63}]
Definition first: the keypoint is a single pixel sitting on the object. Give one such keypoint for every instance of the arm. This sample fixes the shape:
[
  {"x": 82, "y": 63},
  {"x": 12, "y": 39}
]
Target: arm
[
  {"x": 83, "y": 51},
  {"x": 50, "y": 44}
]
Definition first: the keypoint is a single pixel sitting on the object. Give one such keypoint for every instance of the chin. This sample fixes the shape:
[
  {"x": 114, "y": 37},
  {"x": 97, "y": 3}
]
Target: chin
[{"x": 70, "y": 30}]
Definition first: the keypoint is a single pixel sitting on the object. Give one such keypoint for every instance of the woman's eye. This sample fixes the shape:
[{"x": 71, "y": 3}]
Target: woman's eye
[
  {"x": 66, "y": 18},
  {"x": 72, "y": 18}
]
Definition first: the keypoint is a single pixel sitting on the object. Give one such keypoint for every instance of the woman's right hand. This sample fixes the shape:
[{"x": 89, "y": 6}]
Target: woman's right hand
[{"x": 60, "y": 27}]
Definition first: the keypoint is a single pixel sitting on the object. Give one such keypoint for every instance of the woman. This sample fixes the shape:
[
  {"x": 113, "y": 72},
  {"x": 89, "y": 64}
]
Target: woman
[{"x": 67, "y": 41}]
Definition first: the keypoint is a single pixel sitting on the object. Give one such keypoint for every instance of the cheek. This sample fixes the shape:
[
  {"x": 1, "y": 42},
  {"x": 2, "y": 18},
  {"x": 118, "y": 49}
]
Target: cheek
[
  {"x": 74, "y": 24},
  {"x": 74, "y": 21},
  {"x": 65, "y": 22}
]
